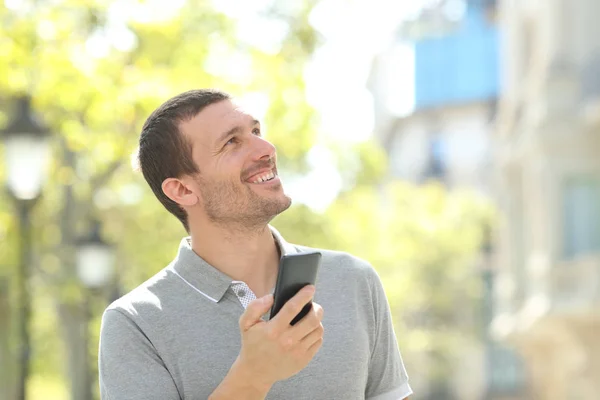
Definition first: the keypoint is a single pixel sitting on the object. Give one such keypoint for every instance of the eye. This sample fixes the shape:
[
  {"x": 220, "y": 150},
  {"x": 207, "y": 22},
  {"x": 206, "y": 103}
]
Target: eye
[
  {"x": 233, "y": 140},
  {"x": 256, "y": 131}
]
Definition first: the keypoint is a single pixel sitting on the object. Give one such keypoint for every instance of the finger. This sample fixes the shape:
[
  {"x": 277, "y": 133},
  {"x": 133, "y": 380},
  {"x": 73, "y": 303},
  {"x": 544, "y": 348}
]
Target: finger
[
  {"x": 309, "y": 323},
  {"x": 293, "y": 307},
  {"x": 312, "y": 338},
  {"x": 255, "y": 310},
  {"x": 314, "y": 348}
]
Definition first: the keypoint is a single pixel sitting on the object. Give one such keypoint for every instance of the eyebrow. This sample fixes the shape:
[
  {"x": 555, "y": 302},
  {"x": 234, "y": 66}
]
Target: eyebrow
[{"x": 234, "y": 130}]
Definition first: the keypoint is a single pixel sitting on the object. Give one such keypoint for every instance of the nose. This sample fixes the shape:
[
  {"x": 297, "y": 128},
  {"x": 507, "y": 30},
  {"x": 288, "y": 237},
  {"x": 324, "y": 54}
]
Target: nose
[{"x": 262, "y": 149}]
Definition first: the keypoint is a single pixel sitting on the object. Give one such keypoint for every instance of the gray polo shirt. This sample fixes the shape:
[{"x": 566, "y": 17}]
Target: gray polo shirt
[{"x": 176, "y": 335}]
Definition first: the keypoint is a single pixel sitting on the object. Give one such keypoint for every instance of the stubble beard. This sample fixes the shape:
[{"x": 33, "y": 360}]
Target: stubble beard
[{"x": 238, "y": 207}]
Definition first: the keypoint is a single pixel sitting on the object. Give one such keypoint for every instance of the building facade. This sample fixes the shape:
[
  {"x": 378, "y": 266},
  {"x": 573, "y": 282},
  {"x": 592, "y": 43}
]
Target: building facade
[
  {"x": 435, "y": 100},
  {"x": 547, "y": 172}
]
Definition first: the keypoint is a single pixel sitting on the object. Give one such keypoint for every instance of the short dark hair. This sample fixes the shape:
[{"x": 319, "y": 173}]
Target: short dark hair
[{"x": 164, "y": 152}]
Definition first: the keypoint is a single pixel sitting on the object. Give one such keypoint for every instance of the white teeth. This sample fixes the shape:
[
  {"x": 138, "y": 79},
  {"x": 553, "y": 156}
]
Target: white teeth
[{"x": 268, "y": 176}]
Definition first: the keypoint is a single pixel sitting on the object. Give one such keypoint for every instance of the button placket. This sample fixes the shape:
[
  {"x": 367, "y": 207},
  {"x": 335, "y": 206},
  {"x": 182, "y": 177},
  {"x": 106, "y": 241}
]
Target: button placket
[{"x": 243, "y": 293}]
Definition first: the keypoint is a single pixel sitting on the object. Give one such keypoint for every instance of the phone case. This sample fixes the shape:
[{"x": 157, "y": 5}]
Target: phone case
[{"x": 295, "y": 271}]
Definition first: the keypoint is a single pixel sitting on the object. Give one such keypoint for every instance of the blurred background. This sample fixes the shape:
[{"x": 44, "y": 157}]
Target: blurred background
[{"x": 452, "y": 143}]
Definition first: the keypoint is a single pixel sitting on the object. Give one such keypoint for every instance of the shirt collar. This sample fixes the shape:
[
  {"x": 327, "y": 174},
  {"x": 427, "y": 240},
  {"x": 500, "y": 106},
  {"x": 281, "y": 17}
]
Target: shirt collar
[
  {"x": 284, "y": 247},
  {"x": 206, "y": 278}
]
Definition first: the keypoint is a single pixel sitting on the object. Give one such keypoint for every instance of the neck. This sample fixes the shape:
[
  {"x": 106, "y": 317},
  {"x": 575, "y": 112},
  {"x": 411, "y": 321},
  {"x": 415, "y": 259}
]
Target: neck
[{"x": 248, "y": 256}]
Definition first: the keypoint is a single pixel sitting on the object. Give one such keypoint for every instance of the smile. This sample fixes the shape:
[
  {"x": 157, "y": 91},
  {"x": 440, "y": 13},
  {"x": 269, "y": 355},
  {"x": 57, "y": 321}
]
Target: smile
[{"x": 265, "y": 177}]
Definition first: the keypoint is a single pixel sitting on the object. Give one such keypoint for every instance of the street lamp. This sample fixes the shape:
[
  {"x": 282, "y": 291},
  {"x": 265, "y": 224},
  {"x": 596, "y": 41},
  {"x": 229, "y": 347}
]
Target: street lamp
[
  {"x": 27, "y": 151},
  {"x": 95, "y": 269},
  {"x": 95, "y": 259}
]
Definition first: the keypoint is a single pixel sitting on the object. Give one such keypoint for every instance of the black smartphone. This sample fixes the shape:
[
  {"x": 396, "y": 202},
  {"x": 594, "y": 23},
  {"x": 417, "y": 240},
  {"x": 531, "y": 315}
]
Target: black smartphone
[{"x": 296, "y": 270}]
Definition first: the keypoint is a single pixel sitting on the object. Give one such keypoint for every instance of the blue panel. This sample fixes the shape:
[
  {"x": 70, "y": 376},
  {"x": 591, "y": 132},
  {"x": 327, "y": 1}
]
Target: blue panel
[{"x": 460, "y": 67}]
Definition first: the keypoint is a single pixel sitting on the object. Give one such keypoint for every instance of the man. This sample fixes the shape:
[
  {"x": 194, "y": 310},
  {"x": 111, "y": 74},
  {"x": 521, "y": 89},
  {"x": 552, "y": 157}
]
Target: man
[{"x": 198, "y": 329}]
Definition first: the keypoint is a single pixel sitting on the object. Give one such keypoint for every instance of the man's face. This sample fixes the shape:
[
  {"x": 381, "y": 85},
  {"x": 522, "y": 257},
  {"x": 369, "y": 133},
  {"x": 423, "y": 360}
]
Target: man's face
[{"x": 238, "y": 182}]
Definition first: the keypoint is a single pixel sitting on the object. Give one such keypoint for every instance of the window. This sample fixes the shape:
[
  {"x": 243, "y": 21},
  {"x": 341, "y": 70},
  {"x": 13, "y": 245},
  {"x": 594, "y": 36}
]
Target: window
[
  {"x": 590, "y": 77},
  {"x": 436, "y": 165},
  {"x": 506, "y": 372},
  {"x": 581, "y": 218}
]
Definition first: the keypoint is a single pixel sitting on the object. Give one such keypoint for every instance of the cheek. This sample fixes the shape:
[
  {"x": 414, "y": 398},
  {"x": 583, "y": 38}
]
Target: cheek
[
  {"x": 223, "y": 172},
  {"x": 232, "y": 165}
]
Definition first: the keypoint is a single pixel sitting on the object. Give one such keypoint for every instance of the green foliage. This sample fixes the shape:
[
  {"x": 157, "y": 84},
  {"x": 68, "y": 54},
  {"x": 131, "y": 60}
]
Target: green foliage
[
  {"x": 95, "y": 92},
  {"x": 424, "y": 242},
  {"x": 95, "y": 75}
]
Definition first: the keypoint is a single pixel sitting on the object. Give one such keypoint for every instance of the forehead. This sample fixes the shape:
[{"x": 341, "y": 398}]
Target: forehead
[{"x": 215, "y": 119}]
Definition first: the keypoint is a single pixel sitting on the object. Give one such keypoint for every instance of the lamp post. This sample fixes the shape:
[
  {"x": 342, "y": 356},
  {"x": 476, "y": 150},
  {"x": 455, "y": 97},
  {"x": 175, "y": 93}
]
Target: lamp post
[
  {"x": 27, "y": 151},
  {"x": 95, "y": 269},
  {"x": 95, "y": 259}
]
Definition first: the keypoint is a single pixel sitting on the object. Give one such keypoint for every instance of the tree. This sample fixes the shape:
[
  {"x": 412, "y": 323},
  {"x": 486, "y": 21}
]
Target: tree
[
  {"x": 95, "y": 71},
  {"x": 424, "y": 242}
]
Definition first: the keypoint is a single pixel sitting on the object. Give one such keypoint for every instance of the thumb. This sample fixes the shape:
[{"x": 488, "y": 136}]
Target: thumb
[{"x": 255, "y": 310}]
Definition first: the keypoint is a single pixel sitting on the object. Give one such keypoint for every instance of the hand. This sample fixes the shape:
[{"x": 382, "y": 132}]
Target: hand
[{"x": 275, "y": 350}]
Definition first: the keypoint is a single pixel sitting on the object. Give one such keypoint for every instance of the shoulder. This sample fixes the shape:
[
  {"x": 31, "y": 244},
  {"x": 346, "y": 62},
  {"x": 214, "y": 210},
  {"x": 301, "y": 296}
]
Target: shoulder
[
  {"x": 343, "y": 263},
  {"x": 146, "y": 297}
]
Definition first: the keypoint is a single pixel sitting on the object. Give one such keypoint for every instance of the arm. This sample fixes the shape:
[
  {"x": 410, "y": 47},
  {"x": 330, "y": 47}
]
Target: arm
[
  {"x": 387, "y": 376},
  {"x": 239, "y": 384},
  {"x": 129, "y": 366}
]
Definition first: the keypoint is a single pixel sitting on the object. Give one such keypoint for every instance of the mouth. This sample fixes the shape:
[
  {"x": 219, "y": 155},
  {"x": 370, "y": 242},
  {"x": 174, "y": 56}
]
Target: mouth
[{"x": 263, "y": 177}]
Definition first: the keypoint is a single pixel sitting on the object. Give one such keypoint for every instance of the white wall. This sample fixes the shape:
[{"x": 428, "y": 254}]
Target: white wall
[{"x": 465, "y": 132}]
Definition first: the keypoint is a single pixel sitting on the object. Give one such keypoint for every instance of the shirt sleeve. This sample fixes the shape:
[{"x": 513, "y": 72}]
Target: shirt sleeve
[
  {"x": 129, "y": 366},
  {"x": 387, "y": 378}
]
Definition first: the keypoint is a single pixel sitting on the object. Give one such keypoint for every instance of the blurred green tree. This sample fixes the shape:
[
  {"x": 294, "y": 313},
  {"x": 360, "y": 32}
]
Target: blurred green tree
[
  {"x": 425, "y": 244},
  {"x": 96, "y": 69}
]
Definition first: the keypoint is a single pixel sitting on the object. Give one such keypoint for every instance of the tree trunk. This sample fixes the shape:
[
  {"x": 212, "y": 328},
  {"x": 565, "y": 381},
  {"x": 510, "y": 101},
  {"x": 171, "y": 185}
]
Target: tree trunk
[
  {"x": 73, "y": 320},
  {"x": 74, "y": 315},
  {"x": 72, "y": 312},
  {"x": 7, "y": 356}
]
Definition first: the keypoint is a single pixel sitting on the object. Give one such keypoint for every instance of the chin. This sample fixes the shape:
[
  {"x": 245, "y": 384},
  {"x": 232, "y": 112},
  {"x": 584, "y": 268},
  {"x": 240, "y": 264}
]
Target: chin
[
  {"x": 287, "y": 202},
  {"x": 282, "y": 204}
]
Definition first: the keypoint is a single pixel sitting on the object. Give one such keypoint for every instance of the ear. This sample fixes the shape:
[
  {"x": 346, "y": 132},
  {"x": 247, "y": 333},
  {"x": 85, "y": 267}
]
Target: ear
[{"x": 179, "y": 192}]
